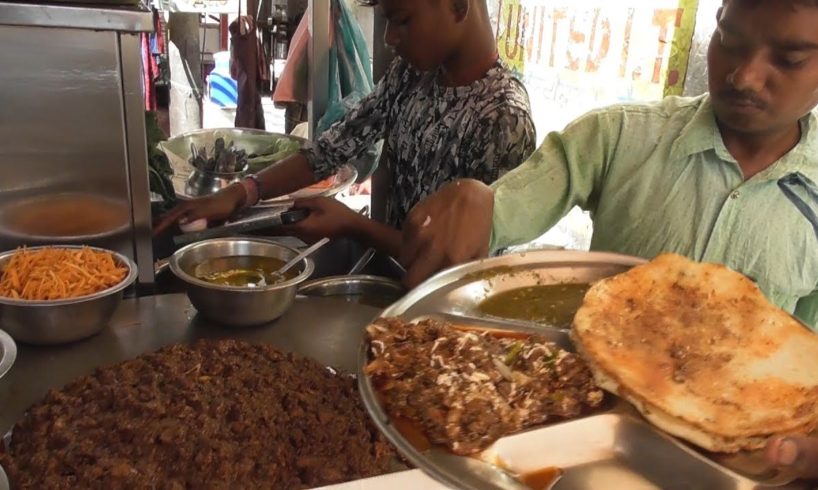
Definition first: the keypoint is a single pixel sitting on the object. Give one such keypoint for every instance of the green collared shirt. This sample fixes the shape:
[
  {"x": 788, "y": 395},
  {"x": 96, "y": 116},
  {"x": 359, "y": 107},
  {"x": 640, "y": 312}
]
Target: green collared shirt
[{"x": 658, "y": 178}]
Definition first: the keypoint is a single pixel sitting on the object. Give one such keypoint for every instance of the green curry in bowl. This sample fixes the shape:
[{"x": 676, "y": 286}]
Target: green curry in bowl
[{"x": 552, "y": 304}]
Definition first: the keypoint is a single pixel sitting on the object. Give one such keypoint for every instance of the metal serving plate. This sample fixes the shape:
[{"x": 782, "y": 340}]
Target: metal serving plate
[
  {"x": 177, "y": 151},
  {"x": 340, "y": 182},
  {"x": 612, "y": 447},
  {"x": 460, "y": 290}
]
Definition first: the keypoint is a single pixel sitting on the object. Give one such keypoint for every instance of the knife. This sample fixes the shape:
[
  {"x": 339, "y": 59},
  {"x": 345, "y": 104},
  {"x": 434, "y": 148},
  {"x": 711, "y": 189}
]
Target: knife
[{"x": 246, "y": 225}]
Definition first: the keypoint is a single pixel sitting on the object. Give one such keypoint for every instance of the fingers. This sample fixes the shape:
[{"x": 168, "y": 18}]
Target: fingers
[
  {"x": 170, "y": 218},
  {"x": 422, "y": 267},
  {"x": 432, "y": 259},
  {"x": 798, "y": 454},
  {"x": 415, "y": 235}
]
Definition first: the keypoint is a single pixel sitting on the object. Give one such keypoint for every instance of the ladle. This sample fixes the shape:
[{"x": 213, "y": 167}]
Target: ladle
[{"x": 306, "y": 253}]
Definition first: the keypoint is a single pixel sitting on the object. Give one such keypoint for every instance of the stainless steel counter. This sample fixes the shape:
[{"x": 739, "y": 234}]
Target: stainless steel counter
[
  {"x": 79, "y": 126},
  {"x": 327, "y": 330}
]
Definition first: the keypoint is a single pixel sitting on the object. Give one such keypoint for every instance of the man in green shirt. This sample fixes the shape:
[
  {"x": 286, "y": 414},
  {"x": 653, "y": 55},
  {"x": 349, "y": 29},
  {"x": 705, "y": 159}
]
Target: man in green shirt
[{"x": 726, "y": 177}]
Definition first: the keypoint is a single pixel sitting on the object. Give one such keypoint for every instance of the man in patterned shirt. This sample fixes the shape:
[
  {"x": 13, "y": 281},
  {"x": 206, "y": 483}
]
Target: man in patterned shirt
[{"x": 447, "y": 109}]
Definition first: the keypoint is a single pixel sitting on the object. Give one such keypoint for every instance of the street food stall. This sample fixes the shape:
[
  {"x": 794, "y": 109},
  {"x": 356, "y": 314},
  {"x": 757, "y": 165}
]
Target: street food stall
[{"x": 237, "y": 361}]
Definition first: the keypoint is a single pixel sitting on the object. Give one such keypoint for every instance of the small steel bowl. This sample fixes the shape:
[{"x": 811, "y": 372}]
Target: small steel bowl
[
  {"x": 376, "y": 291},
  {"x": 232, "y": 305},
  {"x": 203, "y": 182},
  {"x": 64, "y": 320}
]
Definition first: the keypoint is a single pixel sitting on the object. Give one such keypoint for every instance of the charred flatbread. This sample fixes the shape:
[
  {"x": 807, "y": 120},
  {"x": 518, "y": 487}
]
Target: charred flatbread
[{"x": 701, "y": 353}]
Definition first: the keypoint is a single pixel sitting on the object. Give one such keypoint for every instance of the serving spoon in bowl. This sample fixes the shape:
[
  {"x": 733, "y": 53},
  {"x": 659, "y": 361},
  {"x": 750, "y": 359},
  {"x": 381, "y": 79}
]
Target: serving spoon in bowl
[{"x": 298, "y": 258}]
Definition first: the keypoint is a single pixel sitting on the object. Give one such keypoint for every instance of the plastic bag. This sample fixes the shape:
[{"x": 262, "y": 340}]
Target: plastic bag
[
  {"x": 350, "y": 74},
  {"x": 350, "y": 79}
]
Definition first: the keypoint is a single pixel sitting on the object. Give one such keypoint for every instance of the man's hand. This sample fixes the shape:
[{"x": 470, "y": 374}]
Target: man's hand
[
  {"x": 448, "y": 228},
  {"x": 215, "y": 207},
  {"x": 328, "y": 218},
  {"x": 799, "y": 454}
]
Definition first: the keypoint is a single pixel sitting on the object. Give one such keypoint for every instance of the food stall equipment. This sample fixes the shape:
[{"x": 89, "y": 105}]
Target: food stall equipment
[{"x": 73, "y": 164}]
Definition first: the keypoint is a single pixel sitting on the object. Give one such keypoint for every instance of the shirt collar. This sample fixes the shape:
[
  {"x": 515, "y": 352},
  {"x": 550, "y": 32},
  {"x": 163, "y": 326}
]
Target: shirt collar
[
  {"x": 802, "y": 158},
  {"x": 701, "y": 134}
]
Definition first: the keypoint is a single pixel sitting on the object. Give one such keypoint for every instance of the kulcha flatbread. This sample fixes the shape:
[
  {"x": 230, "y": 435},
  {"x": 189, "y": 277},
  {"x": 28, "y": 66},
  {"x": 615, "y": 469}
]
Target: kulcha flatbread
[{"x": 701, "y": 353}]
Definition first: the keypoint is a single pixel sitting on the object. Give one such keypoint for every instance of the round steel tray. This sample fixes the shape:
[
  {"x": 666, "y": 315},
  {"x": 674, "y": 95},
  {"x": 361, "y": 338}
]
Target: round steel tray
[
  {"x": 614, "y": 444},
  {"x": 372, "y": 290},
  {"x": 460, "y": 290},
  {"x": 341, "y": 182},
  {"x": 457, "y": 292}
]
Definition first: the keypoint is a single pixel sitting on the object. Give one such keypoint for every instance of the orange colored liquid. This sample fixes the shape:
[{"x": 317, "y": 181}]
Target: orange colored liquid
[
  {"x": 412, "y": 433},
  {"x": 542, "y": 479}
]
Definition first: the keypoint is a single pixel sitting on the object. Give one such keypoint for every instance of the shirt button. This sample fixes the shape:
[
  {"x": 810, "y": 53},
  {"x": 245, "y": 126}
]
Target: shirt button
[{"x": 735, "y": 195}]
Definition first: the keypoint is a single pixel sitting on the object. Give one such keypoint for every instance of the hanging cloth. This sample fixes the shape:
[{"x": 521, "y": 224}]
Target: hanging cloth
[
  {"x": 349, "y": 70},
  {"x": 248, "y": 71},
  {"x": 293, "y": 84}
]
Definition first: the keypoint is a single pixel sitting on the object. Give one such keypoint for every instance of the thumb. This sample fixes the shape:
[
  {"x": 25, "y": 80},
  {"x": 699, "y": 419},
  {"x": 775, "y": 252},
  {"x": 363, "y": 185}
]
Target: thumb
[{"x": 799, "y": 454}]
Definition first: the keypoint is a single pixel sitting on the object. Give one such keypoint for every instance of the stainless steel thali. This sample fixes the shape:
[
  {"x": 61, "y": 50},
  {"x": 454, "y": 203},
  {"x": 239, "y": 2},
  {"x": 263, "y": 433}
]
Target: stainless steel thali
[{"x": 613, "y": 447}]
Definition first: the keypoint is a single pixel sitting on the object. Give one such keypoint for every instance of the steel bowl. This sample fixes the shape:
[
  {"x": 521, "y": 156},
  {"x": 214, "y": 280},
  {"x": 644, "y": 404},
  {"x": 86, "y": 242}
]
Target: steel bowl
[
  {"x": 64, "y": 320},
  {"x": 231, "y": 305},
  {"x": 376, "y": 291},
  {"x": 204, "y": 182}
]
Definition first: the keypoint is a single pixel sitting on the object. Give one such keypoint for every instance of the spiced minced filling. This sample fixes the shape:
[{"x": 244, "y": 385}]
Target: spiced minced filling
[
  {"x": 466, "y": 389},
  {"x": 218, "y": 414}
]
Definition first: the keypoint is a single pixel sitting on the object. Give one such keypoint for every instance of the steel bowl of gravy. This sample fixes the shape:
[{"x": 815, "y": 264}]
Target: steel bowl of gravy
[{"x": 233, "y": 281}]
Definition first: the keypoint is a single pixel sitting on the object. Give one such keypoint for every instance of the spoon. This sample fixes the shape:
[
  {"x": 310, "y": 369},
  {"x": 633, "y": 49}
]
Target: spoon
[
  {"x": 477, "y": 473},
  {"x": 298, "y": 258}
]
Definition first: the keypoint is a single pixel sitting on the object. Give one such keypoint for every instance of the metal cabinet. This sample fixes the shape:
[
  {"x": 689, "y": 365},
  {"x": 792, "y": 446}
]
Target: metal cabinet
[{"x": 73, "y": 159}]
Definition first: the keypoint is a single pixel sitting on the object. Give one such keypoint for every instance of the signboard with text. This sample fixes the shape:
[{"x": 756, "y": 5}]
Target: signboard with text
[
  {"x": 203, "y": 6},
  {"x": 579, "y": 55}
]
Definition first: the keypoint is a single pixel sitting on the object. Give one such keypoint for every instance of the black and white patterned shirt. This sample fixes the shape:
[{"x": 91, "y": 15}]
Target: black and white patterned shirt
[{"x": 434, "y": 134}]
